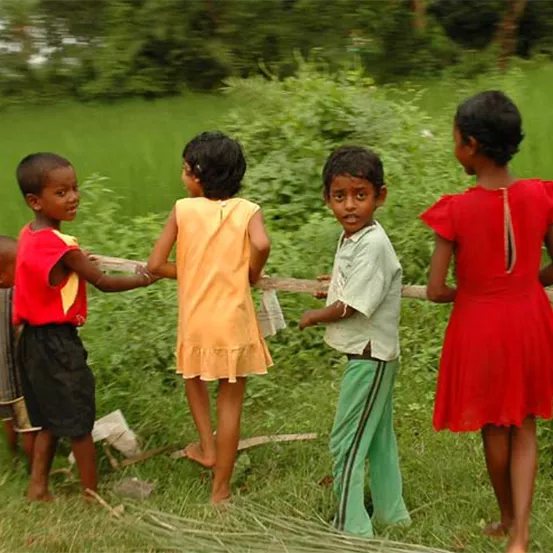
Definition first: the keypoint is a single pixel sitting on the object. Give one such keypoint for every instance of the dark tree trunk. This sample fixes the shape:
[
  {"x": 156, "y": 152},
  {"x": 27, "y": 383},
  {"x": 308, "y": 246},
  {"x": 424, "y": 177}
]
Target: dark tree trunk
[
  {"x": 507, "y": 33},
  {"x": 418, "y": 7}
]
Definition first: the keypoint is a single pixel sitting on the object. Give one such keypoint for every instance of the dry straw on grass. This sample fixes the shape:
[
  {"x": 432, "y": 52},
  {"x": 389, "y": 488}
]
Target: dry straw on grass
[{"x": 248, "y": 528}]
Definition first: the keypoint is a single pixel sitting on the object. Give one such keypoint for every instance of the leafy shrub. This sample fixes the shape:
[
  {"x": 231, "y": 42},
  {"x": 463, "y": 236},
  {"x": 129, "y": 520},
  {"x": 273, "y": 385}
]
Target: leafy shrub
[{"x": 289, "y": 127}]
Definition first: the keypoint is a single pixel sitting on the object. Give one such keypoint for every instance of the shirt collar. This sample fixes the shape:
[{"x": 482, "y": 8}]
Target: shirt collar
[{"x": 359, "y": 234}]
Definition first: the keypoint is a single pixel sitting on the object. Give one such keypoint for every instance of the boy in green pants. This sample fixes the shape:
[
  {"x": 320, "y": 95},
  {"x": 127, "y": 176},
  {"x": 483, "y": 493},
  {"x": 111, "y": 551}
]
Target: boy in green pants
[{"x": 362, "y": 318}]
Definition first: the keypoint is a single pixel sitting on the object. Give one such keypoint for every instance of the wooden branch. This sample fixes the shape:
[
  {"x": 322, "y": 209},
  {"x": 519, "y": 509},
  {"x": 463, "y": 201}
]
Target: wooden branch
[
  {"x": 281, "y": 284},
  {"x": 116, "y": 512},
  {"x": 147, "y": 455},
  {"x": 247, "y": 443},
  {"x": 294, "y": 285}
]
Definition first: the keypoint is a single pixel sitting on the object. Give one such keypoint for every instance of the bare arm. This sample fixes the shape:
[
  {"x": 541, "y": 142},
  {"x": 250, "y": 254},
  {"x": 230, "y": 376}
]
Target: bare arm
[
  {"x": 158, "y": 263},
  {"x": 437, "y": 290},
  {"x": 260, "y": 246},
  {"x": 330, "y": 314},
  {"x": 78, "y": 262},
  {"x": 546, "y": 274}
]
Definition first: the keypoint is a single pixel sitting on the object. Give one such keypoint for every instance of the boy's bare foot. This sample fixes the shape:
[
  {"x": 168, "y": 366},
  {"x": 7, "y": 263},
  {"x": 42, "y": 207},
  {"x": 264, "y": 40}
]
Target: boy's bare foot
[
  {"x": 496, "y": 530},
  {"x": 194, "y": 452},
  {"x": 38, "y": 495}
]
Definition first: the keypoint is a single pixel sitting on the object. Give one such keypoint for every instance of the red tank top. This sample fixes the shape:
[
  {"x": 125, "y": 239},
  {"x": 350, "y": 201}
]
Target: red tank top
[{"x": 35, "y": 301}]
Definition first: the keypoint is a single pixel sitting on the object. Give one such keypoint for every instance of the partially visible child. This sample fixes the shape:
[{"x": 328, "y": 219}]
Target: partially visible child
[
  {"x": 12, "y": 404},
  {"x": 50, "y": 302},
  {"x": 496, "y": 371},
  {"x": 362, "y": 318},
  {"x": 222, "y": 247}
]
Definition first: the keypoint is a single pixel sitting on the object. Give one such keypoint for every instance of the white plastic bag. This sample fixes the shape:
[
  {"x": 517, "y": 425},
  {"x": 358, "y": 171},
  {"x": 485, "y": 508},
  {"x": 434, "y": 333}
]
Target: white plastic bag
[
  {"x": 114, "y": 429},
  {"x": 270, "y": 317}
]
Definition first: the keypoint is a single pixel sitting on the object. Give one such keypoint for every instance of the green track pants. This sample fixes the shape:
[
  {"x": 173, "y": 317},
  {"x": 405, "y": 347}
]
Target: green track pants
[{"x": 363, "y": 428}]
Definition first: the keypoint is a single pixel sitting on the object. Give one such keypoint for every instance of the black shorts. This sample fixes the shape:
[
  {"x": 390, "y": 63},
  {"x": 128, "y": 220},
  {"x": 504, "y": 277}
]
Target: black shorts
[{"x": 58, "y": 385}]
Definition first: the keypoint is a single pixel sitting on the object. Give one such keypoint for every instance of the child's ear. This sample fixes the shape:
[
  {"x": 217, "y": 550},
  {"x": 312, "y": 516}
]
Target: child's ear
[
  {"x": 382, "y": 195},
  {"x": 33, "y": 201},
  {"x": 472, "y": 145}
]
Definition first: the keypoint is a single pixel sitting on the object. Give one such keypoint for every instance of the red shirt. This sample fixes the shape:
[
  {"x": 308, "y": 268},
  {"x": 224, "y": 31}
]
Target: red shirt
[{"x": 35, "y": 301}]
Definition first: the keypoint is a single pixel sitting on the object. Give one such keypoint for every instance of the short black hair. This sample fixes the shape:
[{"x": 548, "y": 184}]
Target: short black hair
[
  {"x": 8, "y": 251},
  {"x": 494, "y": 121},
  {"x": 354, "y": 161},
  {"x": 218, "y": 162},
  {"x": 33, "y": 170}
]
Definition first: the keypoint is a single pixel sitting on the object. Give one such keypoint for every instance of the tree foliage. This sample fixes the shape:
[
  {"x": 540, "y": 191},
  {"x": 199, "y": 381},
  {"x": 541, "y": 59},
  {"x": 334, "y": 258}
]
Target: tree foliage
[{"x": 111, "y": 49}]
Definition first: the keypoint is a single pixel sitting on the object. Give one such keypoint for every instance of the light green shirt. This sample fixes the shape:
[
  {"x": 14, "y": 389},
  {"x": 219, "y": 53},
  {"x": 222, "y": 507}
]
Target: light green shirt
[{"x": 367, "y": 277}]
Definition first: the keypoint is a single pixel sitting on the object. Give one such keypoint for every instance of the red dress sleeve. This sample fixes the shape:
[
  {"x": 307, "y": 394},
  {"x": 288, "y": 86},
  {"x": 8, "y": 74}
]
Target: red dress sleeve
[{"x": 439, "y": 218}]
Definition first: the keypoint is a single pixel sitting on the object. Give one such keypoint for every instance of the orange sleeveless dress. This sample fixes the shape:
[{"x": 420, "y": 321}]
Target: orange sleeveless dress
[{"x": 218, "y": 334}]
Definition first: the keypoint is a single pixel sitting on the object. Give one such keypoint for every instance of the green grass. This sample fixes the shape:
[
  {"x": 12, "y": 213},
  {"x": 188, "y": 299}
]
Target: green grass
[
  {"x": 445, "y": 482},
  {"x": 531, "y": 93},
  {"x": 137, "y": 144}
]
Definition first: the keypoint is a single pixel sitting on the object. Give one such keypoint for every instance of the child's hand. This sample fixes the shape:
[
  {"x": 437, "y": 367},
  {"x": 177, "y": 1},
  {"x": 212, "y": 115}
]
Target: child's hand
[
  {"x": 149, "y": 278},
  {"x": 320, "y": 295},
  {"x": 307, "y": 319}
]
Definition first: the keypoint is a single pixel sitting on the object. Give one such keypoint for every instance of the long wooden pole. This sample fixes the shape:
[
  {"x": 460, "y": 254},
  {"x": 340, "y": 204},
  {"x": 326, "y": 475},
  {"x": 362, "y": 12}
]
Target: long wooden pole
[{"x": 294, "y": 285}]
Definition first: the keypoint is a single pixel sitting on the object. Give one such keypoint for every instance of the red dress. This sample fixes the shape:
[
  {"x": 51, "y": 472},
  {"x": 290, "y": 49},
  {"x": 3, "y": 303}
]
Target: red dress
[{"x": 497, "y": 358}]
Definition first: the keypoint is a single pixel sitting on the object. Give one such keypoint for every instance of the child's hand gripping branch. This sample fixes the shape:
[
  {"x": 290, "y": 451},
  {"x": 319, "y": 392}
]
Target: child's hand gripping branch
[
  {"x": 329, "y": 314},
  {"x": 85, "y": 266}
]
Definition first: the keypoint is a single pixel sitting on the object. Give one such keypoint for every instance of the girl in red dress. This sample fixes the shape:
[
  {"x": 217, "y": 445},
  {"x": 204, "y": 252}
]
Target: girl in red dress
[{"x": 496, "y": 371}]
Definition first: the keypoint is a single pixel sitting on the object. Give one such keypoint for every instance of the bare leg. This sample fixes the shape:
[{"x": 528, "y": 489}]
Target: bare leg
[
  {"x": 85, "y": 456},
  {"x": 198, "y": 400},
  {"x": 43, "y": 455},
  {"x": 524, "y": 461},
  {"x": 229, "y": 411},
  {"x": 497, "y": 448},
  {"x": 28, "y": 444},
  {"x": 11, "y": 436}
]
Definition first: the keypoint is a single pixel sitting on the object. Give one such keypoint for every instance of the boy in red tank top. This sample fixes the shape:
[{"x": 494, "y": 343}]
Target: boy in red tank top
[{"x": 50, "y": 303}]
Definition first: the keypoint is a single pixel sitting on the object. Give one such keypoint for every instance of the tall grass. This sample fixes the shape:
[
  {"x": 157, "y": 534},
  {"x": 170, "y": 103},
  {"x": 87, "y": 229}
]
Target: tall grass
[
  {"x": 531, "y": 90},
  {"x": 137, "y": 144}
]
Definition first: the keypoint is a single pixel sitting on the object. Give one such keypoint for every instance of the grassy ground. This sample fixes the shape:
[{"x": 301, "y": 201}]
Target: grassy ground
[{"x": 446, "y": 487}]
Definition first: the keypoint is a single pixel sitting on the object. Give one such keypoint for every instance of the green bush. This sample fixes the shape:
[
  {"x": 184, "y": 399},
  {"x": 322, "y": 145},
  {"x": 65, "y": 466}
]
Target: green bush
[{"x": 289, "y": 127}]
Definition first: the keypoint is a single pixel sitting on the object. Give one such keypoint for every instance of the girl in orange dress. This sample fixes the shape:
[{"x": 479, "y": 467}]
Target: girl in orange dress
[
  {"x": 222, "y": 247},
  {"x": 496, "y": 371}
]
